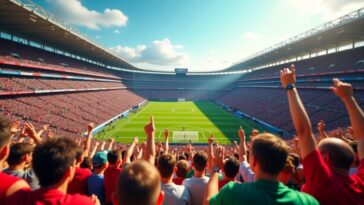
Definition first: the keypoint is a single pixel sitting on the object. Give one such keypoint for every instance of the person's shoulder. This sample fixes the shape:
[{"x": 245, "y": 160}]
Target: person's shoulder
[
  {"x": 305, "y": 198},
  {"x": 84, "y": 171}
]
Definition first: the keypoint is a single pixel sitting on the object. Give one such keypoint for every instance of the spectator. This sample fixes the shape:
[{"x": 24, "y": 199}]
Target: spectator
[
  {"x": 78, "y": 184},
  {"x": 9, "y": 184},
  {"x": 95, "y": 182},
  {"x": 266, "y": 189},
  {"x": 198, "y": 181},
  {"x": 112, "y": 173},
  {"x": 181, "y": 173},
  {"x": 139, "y": 184},
  {"x": 19, "y": 158},
  {"x": 59, "y": 156},
  {"x": 230, "y": 170},
  {"x": 174, "y": 194},
  {"x": 326, "y": 167}
]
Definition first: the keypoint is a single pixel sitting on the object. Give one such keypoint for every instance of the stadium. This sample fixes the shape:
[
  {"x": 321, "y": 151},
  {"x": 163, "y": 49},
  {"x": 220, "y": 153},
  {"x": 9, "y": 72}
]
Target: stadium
[
  {"x": 83, "y": 122},
  {"x": 52, "y": 77}
]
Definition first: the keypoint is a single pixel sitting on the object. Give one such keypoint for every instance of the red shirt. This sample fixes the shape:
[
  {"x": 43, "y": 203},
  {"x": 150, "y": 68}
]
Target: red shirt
[
  {"x": 178, "y": 180},
  {"x": 224, "y": 181},
  {"x": 47, "y": 197},
  {"x": 78, "y": 184},
  {"x": 331, "y": 188},
  {"x": 6, "y": 181},
  {"x": 111, "y": 176}
]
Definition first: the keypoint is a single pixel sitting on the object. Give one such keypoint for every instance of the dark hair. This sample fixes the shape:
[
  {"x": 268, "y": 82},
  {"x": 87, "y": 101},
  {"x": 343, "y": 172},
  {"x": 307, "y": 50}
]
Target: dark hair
[
  {"x": 138, "y": 184},
  {"x": 4, "y": 132},
  {"x": 295, "y": 159},
  {"x": 79, "y": 153},
  {"x": 231, "y": 167},
  {"x": 113, "y": 156},
  {"x": 166, "y": 164},
  {"x": 182, "y": 157},
  {"x": 86, "y": 163},
  {"x": 17, "y": 152},
  {"x": 354, "y": 146},
  {"x": 182, "y": 168},
  {"x": 52, "y": 159},
  {"x": 271, "y": 153},
  {"x": 200, "y": 161}
]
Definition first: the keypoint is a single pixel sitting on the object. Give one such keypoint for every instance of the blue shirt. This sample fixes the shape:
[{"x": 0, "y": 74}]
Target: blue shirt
[{"x": 95, "y": 185}]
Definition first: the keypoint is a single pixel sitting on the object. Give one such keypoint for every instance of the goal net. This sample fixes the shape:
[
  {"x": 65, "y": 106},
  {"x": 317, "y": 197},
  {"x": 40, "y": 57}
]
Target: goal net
[
  {"x": 185, "y": 136},
  {"x": 181, "y": 100}
]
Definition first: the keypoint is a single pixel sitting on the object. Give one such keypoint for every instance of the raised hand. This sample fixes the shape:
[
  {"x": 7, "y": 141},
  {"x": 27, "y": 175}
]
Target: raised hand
[
  {"x": 288, "y": 76},
  {"x": 241, "y": 134},
  {"x": 45, "y": 127},
  {"x": 218, "y": 160},
  {"x": 341, "y": 89},
  {"x": 135, "y": 140},
  {"x": 321, "y": 126},
  {"x": 211, "y": 139},
  {"x": 166, "y": 133},
  {"x": 15, "y": 127},
  {"x": 150, "y": 128},
  {"x": 32, "y": 133},
  {"x": 90, "y": 126}
]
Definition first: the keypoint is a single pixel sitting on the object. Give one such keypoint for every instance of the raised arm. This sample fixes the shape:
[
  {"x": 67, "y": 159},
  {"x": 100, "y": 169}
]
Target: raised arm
[
  {"x": 150, "y": 148},
  {"x": 242, "y": 150},
  {"x": 93, "y": 152},
  {"x": 212, "y": 187},
  {"x": 112, "y": 141},
  {"x": 87, "y": 147},
  {"x": 32, "y": 133},
  {"x": 166, "y": 142},
  {"x": 298, "y": 113},
  {"x": 321, "y": 126},
  {"x": 345, "y": 92},
  {"x": 130, "y": 151}
]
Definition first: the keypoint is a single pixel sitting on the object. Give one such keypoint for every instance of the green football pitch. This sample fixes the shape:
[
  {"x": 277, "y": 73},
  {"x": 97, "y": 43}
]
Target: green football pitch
[{"x": 201, "y": 117}]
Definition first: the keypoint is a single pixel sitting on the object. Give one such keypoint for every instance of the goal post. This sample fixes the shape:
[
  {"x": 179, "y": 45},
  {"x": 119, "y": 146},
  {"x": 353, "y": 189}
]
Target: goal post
[
  {"x": 185, "y": 136},
  {"x": 181, "y": 100}
]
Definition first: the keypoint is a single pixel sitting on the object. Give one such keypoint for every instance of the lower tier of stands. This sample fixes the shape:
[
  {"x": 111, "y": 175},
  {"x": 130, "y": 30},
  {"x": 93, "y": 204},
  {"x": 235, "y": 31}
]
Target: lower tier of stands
[{"x": 69, "y": 114}]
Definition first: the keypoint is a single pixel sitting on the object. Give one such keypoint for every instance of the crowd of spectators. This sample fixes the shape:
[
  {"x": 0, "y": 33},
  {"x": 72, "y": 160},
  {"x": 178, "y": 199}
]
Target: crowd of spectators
[
  {"x": 66, "y": 113},
  {"x": 26, "y": 84},
  {"x": 38, "y": 167},
  {"x": 15, "y": 52}
]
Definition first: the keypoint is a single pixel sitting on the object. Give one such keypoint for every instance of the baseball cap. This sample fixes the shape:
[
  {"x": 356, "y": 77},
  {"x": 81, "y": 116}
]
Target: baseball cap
[{"x": 99, "y": 159}]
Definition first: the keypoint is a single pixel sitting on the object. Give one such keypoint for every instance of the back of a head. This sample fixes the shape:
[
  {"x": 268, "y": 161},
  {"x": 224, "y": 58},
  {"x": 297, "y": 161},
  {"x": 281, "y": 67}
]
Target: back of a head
[
  {"x": 52, "y": 158},
  {"x": 138, "y": 184},
  {"x": 113, "y": 156},
  {"x": 270, "y": 152},
  {"x": 182, "y": 169},
  {"x": 4, "y": 132},
  {"x": 340, "y": 152},
  {"x": 166, "y": 165},
  {"x": 200, "y": 161},
  {"x": 231, "y": 167},
  {"x": 17, "y": 153}
]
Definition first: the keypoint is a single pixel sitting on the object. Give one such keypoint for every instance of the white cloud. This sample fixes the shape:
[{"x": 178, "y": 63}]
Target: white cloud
[
  {"x": 251, "y": 36},
  {"x": 329, "y": 9},
  {"x": 72, "y": 11},
  {"x": 116, "y": 31},
  {"x": 160, "y": 52}
]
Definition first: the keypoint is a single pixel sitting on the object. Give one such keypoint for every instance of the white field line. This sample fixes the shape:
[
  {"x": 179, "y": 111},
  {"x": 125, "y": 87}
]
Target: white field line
[{"x": 126, "y": 122}]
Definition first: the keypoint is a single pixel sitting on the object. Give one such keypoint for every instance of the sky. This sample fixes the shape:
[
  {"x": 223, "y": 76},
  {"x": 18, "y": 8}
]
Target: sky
[{"x": 201, "y": 35}]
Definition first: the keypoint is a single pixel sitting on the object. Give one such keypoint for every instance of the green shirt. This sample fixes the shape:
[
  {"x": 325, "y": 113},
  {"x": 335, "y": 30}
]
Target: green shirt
[{"x": 260, "y": 192}]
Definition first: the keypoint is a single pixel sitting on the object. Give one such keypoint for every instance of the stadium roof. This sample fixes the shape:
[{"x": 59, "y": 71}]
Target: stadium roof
[
  {"x": 333, "y": 34},
  {"x": 31, "y": 22}
]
